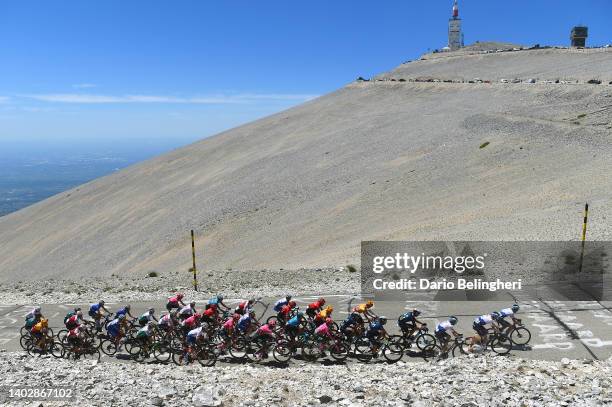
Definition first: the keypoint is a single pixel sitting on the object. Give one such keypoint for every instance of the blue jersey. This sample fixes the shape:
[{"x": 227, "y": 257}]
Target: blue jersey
[
  {"x": 122, "y": 311},
  {"x": 407, "y": 317},
  {"x": 95, "y": 307},
  {"x": 213, "y": 301},
  {"x": 244, "y": 322},
  {"x": 376, "y": 326},
  {"x": 279, "y": 304},
  {"x": 294, "y": 322}
]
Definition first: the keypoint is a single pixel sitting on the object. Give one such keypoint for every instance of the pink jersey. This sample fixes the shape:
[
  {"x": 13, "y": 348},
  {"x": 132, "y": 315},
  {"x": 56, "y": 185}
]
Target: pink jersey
[
  {"x": 229, "y": 324},
  {"x": 191, "y": 321},
  {"x": 74, "y": 333},
  {"x": 264, "y": 330},
  {"x": 322, "y": 330}
]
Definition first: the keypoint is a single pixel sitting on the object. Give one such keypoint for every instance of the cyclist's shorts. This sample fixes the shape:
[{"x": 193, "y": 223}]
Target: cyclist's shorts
[
  {"x": 92, "y": 314},
  {"x": 406, "y": 326},
  {"x": 113, "y": 331},
  {"x": 503, "y": 322},
  {"x": 191, "y": 339},
  {"x": 480, "y": 330},
  {"x": 443, "y": 336}
]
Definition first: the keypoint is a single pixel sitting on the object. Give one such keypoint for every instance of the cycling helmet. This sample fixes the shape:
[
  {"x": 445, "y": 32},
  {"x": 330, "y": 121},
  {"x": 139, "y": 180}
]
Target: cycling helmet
[
  {"x": 179, "y": 296},
  {"x": 292, "y": 304},
  {"x": 121, "y": 317},
  {"x": 329, "y": 308},
  {"x": 321, "y": 301},
  {"x": 44, "y": 321},
  {"x": 192, "y": 304},
  {"x": 515, "y": 308},
  {"x": 495, "y": 315},
  {"x": 151, "y": 310},
  {"x": 77, "y": 309},
  {"x": 220, "y": 297},
  {"x": 101, "y": 303},
  {"x": 128, "y": 307},
  {"x": 329, "y": 321},
  {"x": 288, "y": 297},
  {"x": 37, "y": 310},
  {"x": 416, "y": 312},
  {"x": 197, "y": 316},
  {"x": 252, "y": 301},
  {"x": 453, "y": 320},
  {"x": 272, "y": 322},
  {"x": 79, "y": 314},
  {"x": 383, "y": 320},
  {"x": 150, "y": 323},
  {"x": 369, "y": 304}
]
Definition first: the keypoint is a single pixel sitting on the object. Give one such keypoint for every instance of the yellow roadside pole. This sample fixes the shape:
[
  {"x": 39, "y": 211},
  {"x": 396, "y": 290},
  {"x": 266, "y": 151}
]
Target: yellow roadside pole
[
  {"x": 195, "y": 273},
  {"x": 584, "y": 230}
]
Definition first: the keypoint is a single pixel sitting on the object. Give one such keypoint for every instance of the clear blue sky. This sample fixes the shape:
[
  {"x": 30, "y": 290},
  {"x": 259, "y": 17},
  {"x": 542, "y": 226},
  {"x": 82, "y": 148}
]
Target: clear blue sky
[{"x": 181, "y": 70}]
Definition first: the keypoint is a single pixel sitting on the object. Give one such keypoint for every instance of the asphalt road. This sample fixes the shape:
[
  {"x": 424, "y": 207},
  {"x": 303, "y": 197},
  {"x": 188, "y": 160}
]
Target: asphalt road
[{"x": 576, "y": 330}]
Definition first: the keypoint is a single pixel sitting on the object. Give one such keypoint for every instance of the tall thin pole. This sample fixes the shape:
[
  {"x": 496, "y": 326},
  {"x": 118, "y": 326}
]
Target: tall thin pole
[
  {"x": 584, "y": 230},
  {"x": 195, "y": 274}
]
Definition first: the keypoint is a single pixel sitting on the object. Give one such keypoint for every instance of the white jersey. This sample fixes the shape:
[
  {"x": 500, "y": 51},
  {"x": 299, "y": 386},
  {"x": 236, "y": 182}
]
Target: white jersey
[
  {"x": 148, "y": 316},
  {"x": 195, "y": 332},
  {"x": 444, "y": 326},
  {"x": 506, "y": 312},
  {"x": 166, "y": 320},
  {"x": 484, "y": 319},
  {"x": 186, "y": 310}
]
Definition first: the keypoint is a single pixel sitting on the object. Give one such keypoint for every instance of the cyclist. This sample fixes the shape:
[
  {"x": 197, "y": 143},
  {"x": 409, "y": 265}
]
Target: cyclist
[
  {"x": 116, "y": 329},
  {"x": 35, "y": 314},
  {"x": 145, "y": 333},
  {"x": 39, "y": 330},
  {"x": 187, "y": 310},
  {"x": 292, "y": 327},
  {"x": 409, "y": 323},
  {"x": 190, "y": 323},
  {"x": 313, "y": 308},
  {"x": 175, "y": 302},
  {"x": 194, "y": 337},
  {"x": 245, "y": 307},
  {"x": 264, "y": 333},
  {"x": 246, "y": 321},
  {"x": 282, "y": 302},
  {"x": 209, "y": 315},
  {"x": 323, "y": 331},
  {"x": 74, "y": 321},
  {"x": 352, "y": 325},
  {"x": 228, "y": 327},
  {"x": 95, "y": 311},
  {"x": 481, "y": 325},
  {"x": 442, "y": 330},
  {"x": 376, "y": 331},
  {"x": 323, "y": 315},
  {"x": 75, "y": 336},
  {"x": 71, "y": 313},
  {"x": 364, "y": 309},
  {"x": 285, "y": 312},
  {"x": 167, "y": 322},
  {"x": 508, "y": 313},
  {"x": 125, "y": 311},
  {"x": 147, "y": 317},
  {"x": 218, "y": 302}
]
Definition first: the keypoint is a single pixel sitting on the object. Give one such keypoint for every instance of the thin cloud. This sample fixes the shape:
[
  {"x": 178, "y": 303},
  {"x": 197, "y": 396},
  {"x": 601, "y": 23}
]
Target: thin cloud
[
  {"x": 5, "y": 99},
  {"x": 84, "y": 85},
  {"x": 80, "y": 98}
]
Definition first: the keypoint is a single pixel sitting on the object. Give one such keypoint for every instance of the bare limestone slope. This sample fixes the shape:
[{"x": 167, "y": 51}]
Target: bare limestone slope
[{"x": 373, "y": 160}]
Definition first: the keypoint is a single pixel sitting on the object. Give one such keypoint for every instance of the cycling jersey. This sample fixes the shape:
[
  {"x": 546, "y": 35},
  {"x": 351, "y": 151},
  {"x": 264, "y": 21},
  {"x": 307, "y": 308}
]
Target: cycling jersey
[
  {"x": 186, "y": 311},
  {"x": 113, "y": 327},
  {"x": 193, "y": 335},
  {"x": 407, "y": 318},
  {"x": 214, "y": 301},
  {"x": 316, "y": 305},
  {"x": 37, "y": 328},
  {"x": 376, "y": 326},
  {"x": 294, "y": 322},
  {"x": 444, "y": 327},
  {"x": 484, "y": 320},
  {"x": 506, "y": 312},
  {"x": 72, "y": 322},
  {"x": 265, "y": 330},
  {"x": 279, "y": 304},
  {"x": 144, "y": 318},
  {"x": 94, "y": 309},
  {"x": 143, "y": 332},
  {"x": 361, "y": 308},
  {"x": 191, "y": 321},
  {"x": 323, "y": 330},
  {"x": 122, "y": 311},
  {"x": 173, "y": 302},
  {"x": 244, "y": 322},
  {"x": 211, "y": 312},
  {"x": 74, "y": 333},
  {"x": 285, "y": 310},
  {"x": 228, "y": 326},
  {"x": 166, "y": 320}
]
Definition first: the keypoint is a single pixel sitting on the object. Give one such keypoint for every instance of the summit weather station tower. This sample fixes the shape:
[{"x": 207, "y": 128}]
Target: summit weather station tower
[{"x": 455, "y": 35}]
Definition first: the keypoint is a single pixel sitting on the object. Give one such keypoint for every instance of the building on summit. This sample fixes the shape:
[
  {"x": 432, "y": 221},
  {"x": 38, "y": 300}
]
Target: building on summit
[{"x": 455, "y": 35}]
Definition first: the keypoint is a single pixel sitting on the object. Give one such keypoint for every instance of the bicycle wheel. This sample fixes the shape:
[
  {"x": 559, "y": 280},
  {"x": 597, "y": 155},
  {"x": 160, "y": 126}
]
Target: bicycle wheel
[
  {"x": 363, "y": 350},
  {"x": 424, "y": 340},
  {"x": 254, "y": 352},
  {"x": 238, "y": 349},
  {"x": 460, "y": 348},
  {"x": 108, "y": 347},
  {"x": 61, "y": 334},
  {"x": 206, "y": 357},
  {"x": 57, "y": 350},
  {"x": 520, "y": 336},
  {"x": 272, "y": 318},
  {"x": 90, "y": 353},
  {"x": 500, "y": 344},
  {"x": 431, "y": 352},
  {"x": 339, "y": 351},
  {"x": 282, "y": 352},
  {"x": 25, "y": 340},
  {"x": 178, "y": 357},
  {"x": 162, "y": 352},
  {"x": 393, "y": 352},
  {"x": 33, "y": 350},
  {"x": 311, "y": 351}
]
